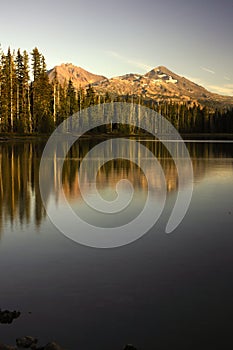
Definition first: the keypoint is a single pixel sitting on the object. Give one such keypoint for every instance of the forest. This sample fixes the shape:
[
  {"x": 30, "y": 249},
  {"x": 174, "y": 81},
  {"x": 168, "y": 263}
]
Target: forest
[{"x": 31, "y": 104}]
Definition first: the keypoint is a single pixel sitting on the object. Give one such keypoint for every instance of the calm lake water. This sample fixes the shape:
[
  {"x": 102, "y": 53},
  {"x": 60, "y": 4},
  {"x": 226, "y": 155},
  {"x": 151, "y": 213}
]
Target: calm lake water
[{"x": 160, "y": 292}]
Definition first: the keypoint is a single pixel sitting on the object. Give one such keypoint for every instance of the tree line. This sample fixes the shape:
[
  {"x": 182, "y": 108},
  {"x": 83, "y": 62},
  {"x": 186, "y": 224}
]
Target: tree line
[{"x": 30, "y": 103}]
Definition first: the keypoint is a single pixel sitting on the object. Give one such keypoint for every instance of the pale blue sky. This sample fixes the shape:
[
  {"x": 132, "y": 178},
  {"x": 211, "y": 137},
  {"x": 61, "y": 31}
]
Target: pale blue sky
[{"x": 192, "y": 38}]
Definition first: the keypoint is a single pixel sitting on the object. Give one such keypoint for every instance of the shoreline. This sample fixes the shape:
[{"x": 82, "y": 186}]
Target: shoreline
[{"x": 186, "y": 137}]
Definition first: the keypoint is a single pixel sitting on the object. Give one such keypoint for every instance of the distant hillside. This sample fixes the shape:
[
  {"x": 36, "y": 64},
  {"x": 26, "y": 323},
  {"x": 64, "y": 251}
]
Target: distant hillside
[
  {"x": 78, "y": 75},
  {"x": 159, "y": 84}
]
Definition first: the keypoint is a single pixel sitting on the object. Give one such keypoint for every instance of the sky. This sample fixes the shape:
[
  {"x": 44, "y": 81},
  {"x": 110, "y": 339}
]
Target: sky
[{"x": 115, "y": 37}]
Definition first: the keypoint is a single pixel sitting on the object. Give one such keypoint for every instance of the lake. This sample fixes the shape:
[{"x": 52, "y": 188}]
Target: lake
[{"x": 162, "y": 291}]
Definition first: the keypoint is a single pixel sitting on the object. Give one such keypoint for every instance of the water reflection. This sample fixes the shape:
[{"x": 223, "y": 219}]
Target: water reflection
[
  {"x": 20, "y": 199},
  {"x": 19, "y": 189}
]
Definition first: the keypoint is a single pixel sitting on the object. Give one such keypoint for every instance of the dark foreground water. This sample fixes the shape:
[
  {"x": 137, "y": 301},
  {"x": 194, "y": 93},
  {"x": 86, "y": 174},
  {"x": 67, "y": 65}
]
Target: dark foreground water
[{"x": 160, "y": 292}]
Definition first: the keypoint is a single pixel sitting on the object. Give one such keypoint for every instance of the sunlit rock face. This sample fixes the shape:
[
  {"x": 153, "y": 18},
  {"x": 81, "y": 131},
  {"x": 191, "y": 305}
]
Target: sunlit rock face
[{"x": 159, "y": 84}]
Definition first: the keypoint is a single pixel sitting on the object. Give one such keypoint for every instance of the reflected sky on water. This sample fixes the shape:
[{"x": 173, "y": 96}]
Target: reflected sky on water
[{"x": 159, "y": 291}]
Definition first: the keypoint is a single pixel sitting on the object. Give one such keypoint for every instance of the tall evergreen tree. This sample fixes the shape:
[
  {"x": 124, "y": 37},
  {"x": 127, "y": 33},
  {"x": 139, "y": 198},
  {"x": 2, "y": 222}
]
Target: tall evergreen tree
[
  {"x": 72, "y": 105},
  {"x": 26, "y": 94},
  {"x": 8, "y": 92},
  {"x": 41, "y": 95}
]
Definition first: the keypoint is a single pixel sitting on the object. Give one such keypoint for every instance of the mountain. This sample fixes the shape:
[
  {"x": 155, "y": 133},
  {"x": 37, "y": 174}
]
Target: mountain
[
  {"x": 159, "y": 84},
  {"x": 78, "y": 75}
]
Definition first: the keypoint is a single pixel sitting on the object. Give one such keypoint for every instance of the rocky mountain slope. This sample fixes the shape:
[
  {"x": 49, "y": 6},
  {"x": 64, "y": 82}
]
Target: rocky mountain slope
[
  {"x": 159, "y": 84},
  {"x": 78, "y": 75}
]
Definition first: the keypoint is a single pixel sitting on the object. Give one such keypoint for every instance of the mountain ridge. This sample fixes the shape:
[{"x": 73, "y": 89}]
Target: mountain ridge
[
  {"x": 160, "y": 84},
  {"x": 78, "y": 75}
]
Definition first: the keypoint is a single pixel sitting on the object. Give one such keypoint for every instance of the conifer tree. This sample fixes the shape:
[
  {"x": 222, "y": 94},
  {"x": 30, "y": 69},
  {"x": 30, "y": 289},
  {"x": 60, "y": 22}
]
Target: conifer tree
[
  {"x": 56, "y": 97},
  {"x": 26, "y": 94},
  {"x": 20, "y": 93},
  {"x": 41, "y": 95},
  {"x": 72, "y": 105},
  {"x": 8, "y": 84}
]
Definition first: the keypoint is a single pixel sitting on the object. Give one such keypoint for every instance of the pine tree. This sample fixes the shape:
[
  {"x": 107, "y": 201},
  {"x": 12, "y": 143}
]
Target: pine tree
[
  {"x": 26, "y": 94},
  {"x": 46, "y": 122},
  {"x": 90, "y": 96},
  {"x": 8, "y": 92},
  {"x": 36, "y": 63},
  {"x": 56, "y": 97},
  {"x": 21, "y": 95},
  {"x": 81, "y": 98},
  {"x": 72, "y": 104},
  {"x": 41, "y": 95},
  {"x": 35, "y": 89}
]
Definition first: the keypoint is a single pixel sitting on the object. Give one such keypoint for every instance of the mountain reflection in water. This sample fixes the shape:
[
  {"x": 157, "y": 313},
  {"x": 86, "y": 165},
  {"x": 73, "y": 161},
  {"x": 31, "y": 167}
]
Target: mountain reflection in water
[{"x": 20, "y": 199}]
